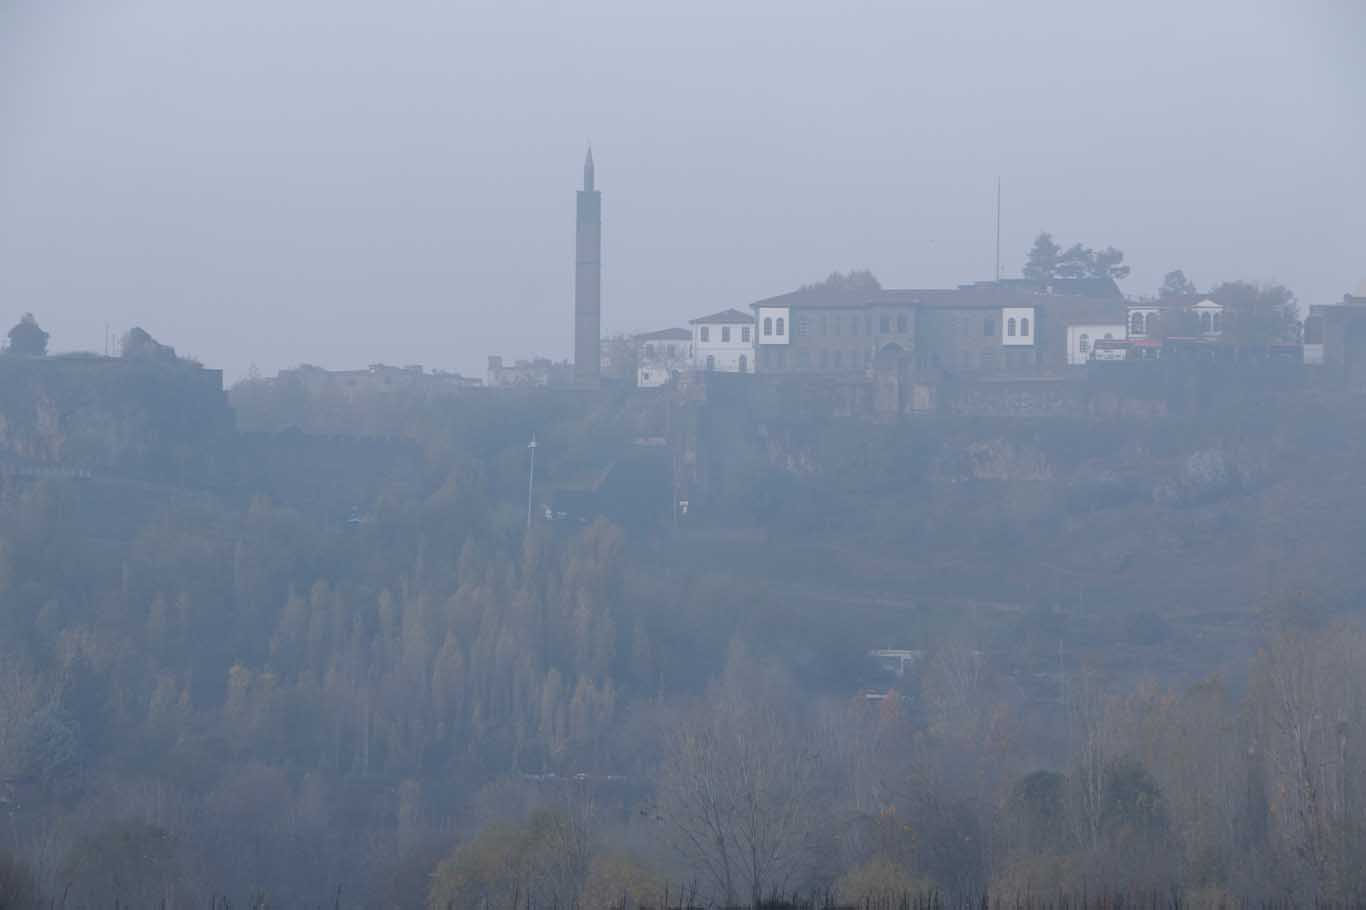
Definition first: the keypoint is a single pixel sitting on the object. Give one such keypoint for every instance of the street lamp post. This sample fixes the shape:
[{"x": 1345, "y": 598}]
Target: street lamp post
[{"x": 531, "y": 480}]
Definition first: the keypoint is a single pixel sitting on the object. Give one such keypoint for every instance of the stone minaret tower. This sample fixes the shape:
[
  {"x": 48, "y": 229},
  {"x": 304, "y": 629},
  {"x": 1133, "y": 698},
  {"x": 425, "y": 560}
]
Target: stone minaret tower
[{"x": 588, "y": 281}]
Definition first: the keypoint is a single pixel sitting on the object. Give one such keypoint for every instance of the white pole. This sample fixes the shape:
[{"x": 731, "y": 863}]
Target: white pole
[{"x": 531, "y": 480}]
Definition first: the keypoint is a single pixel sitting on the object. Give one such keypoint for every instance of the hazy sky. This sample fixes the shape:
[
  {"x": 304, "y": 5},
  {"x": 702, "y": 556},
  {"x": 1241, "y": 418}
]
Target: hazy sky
[{"x": 343, "y": 182}]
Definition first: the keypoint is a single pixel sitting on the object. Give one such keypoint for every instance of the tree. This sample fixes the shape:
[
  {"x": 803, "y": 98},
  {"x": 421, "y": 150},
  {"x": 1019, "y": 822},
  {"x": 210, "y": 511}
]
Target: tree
[
  {"x": 1042, "y": 264},
  {"x": 544, "y": 861},
  {"x": 1080, "y": 261},
  {"x": 736, "y": 789},
  {"x": 1176, "y": 284},
  {"x": 618, "y": 880},
  {"x": 1258, "y": 314},
  {"x": 852, "y": 281},
  {"x": 27, "y": 338}
]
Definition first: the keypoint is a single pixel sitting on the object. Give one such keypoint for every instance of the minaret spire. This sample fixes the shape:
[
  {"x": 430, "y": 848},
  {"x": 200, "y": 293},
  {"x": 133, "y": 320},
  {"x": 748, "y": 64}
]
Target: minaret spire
[{"x": 588, "y": 281}]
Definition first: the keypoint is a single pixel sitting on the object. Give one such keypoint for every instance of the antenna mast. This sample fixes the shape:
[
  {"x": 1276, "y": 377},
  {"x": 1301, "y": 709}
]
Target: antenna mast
[{"x": 998, "y": 228}]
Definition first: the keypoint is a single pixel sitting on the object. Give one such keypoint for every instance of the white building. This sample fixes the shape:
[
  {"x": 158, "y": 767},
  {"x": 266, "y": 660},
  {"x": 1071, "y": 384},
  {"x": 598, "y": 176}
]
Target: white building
[
  {"x": 1081, "y": 339},
  {"x": 724, "y": 342},
  {"x": 661, "y": 355},
  {"x": 1017, "y": 326},
  {"x": 1184, "y": 317}
]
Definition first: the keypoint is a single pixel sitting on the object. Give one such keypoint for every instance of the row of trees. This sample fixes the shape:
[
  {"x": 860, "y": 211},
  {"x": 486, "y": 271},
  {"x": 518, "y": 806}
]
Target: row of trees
[{"x": 1253, "y": 313}]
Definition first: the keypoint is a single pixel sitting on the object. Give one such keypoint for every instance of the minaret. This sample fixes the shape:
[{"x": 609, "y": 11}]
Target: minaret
[{"x": 588, "y": 281}]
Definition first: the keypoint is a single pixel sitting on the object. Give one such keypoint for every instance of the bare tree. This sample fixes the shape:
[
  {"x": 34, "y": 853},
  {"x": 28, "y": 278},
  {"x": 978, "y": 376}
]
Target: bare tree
[{"x": 736, "y": 791}]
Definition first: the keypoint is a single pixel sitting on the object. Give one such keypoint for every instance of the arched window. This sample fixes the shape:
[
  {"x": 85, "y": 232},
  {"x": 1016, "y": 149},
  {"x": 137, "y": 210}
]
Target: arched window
[
  {"x": 1215, "y": 323},
  {"x": 768, "y": 325},
  {"x": 1010, "y": 327},
  {"x": 744, "y": 364},
  {"x": 1136, "y": 324},
  {"x": 1024, "y": 325},
  {"x": 711, "y": 361},
  {"x": 780, "y": 325},
  {"x": 1084, "y": 345},
  {"x": 1206, "y": 324}
]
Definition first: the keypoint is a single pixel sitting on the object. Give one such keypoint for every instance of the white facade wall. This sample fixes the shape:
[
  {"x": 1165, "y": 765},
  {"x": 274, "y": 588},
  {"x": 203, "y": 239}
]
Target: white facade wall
[
  {"x": 1021, "y": 319},
  {"x": 724, "y": 347},
  {"x": 1082, "y": 338},
  {"x": 774, "y": 325}
]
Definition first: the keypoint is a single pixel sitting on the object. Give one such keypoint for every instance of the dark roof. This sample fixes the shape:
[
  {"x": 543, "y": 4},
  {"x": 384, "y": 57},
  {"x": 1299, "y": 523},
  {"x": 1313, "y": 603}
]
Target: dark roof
[
  {"x": 1078, "y": 287},
  {"x": 820, "y": 296},
  {"x": 725, "y": 316},
  {"x": 666, "y": 335}
]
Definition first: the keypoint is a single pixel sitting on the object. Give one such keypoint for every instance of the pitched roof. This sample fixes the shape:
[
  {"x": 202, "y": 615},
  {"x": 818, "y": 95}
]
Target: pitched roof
[
  {"x": 724, "y": 317},
  {"x": 666, "y": 335}
]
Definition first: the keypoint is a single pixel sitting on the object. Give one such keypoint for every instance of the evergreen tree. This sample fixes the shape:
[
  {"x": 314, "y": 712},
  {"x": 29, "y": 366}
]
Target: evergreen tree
[
  {"x": 27, "y": 338},
  {"x": 1176, "y": 284},
  {"x": 1042, "y": 264}
]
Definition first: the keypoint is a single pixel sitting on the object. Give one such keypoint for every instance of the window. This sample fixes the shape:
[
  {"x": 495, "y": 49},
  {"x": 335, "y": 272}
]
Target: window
[
  {"x": 804, "y": 326},
  {"x": 711, "y": 362},
  {"x": 725, "y": 333},
  {"x": 1136, "y": 324},
  {"x": 839, "y": 359},
  {"x": 901, "y": 323},
  {"x": 768, "y": 326},
  {"x": 989, "y": 327},
  {"x": 1084, "y": 343},
  {"x": 825, "y": 359},
  {"x": 780, "y": 325},
  {"x": 867, "y": 358},
  {"x": 1024, "y": 325},
  {"x": 744, "y": 333},
  {"x": 649, "y": 350},
  {"x": 853, "y": 325},
  {"x": 884, "y": 324},
  {"x": 867, "y": 323},
  {"x": 671, "y": 350},
  {"x": 803, "y": 358},
  {"x": 1215, "y": 323},
  {"x": 744, "y": 364},
  {"x": 835, "y": 322},
  {"x": 825, "y": 326},
  {"x": 704, "y": 334},
  {"x": 1206, "y": 324},
  {"x": 1010, "y": 327}
]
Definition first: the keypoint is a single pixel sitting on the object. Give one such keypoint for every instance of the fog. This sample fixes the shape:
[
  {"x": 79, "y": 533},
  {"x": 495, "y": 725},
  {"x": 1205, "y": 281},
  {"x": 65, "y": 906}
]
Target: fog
[{"x": 343, "y": 183}]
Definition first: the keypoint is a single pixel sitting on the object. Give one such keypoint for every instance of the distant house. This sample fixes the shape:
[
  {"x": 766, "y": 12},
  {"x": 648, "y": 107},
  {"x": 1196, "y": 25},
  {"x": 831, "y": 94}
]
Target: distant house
[
  {"x": 1186, "y": 316},
  {"x": 537, "y": 373},
  {"x": 661, "y": 355},
  {"x": 724, "y": 342},
  {"x": 1082, "y": 338},
  {"x": 1335, "y": 338}
]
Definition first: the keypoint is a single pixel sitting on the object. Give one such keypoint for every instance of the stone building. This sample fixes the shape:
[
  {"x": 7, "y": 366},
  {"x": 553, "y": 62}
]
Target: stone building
[
  {"x": 1335, "y": 339},
  {"x": 989, "y": 327}
]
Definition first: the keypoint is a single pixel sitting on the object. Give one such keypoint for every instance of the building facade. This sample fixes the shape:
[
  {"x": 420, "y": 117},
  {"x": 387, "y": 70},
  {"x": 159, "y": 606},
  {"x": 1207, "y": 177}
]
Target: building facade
[{"x": 724, "y": 342}]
